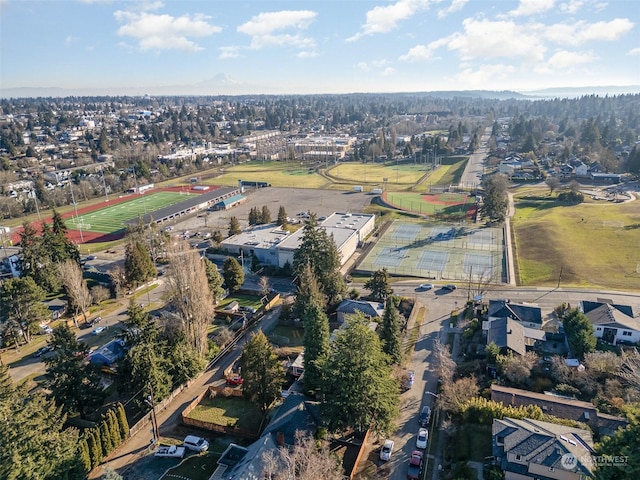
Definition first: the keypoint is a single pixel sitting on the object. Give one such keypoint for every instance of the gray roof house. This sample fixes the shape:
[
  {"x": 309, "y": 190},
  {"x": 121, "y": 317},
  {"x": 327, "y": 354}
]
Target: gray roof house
[
  {"x": 529, "y": 448},
  {"x": 612, "y": 323},
  {"x": 296, "y": 414},
  {"x": 511, "y": 335},
  {"x": 371, "y": 310},
  {"x": 528, "y": 315}
]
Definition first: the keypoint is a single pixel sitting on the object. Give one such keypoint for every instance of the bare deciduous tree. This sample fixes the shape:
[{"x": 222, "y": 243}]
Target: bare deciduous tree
[
  {"x": 517, "y": 368},
  {"x": 445, "y": 367},
  {"x": 305, "y": 461},
  {"x": 455, "y": 393},
  {"x": 188, "y": 292},
  {"x": 118, "y": 278},
  {"x": 264, "y": 285},
  {"x": 100, "y": 294},
  {"x": 76, "y": 287}
]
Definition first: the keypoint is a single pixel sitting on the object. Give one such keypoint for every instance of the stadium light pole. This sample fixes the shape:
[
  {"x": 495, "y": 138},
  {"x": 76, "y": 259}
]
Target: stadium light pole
[{"x": 75, "y": 208}]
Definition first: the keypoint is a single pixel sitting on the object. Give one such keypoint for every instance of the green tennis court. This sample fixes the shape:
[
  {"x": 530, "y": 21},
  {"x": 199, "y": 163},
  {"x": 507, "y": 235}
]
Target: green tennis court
[{"x": 111, "y": 219}]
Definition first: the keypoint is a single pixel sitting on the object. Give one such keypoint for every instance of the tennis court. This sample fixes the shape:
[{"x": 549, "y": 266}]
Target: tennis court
[
  {"x": 113, "y": 218},
  {"x": 441, "y": 251}
]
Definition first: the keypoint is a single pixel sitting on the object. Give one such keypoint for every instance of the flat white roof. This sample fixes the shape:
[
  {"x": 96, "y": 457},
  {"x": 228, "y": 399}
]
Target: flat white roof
[
  {"x": 261, "y": 236},
  {"x": 342, "y": 226}
]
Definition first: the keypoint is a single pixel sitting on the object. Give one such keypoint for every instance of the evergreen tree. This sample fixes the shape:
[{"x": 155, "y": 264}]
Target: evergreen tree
[
  {"x": 378, "y": 284},
  {"x": 391, "y": 332},
  {"x": 85, "y": 458},
  {"x": 22, "y": 308},
  {"x": 123, "y": 423},
  {"x": 307, "y": 292},
  {"x": 105, "y": 437},
  {"x": 262, "y": 372},
  {"x": 580, "y": 333},
  {"x": 95, "y": 447},
  {"x": 253, "y": 217},
  {"x": 114, "y": 428},
  {"x": 282, "y": 216},
  {"x": 138, "y": 266},
  {"x": 359, "y": 391},
  {"x": 214, "y": 279},
  {"x": 76, "y": 387},
  {"x": 316, "y": 346},
  {"x": 233, "y": 274},
  {"x": 265, "y": 215},
  {"x": 35, "y": 444},
  {"x": 319, "y": 250},
  {"x": 495, "y": 200},
  {"x": 234, "y": 227}
]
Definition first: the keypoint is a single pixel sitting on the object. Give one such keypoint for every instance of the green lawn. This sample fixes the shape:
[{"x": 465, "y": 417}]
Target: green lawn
[
  {"x": 195, "y": 467},
  {"x": 549, "y": 237},
  {"x": 243, "y": 301},
  {"x": 278, "y": 174},
  {"x": 228, "y": 412},
  {"x": 112, "y": 219},
  {"x": 402, "y": 174},
  {"x": 285, "y": 336}
]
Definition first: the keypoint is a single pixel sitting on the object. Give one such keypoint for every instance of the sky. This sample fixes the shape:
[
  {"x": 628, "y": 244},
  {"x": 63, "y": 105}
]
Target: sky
[{"x": 325, "y": 46}]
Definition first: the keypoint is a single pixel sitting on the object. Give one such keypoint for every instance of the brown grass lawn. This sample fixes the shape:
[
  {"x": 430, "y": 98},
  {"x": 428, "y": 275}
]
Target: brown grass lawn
[{"x": 549, "y": 237}]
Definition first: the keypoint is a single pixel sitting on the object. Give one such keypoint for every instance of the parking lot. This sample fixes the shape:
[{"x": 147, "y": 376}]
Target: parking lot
[{"x": 294, "y": 200}]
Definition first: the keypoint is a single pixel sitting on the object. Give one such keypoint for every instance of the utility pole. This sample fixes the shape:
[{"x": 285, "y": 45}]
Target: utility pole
[
  {"x": 75, "y": 208},
  {"x": 559, "y": 277},
  {"x": 154, "y": 421}
]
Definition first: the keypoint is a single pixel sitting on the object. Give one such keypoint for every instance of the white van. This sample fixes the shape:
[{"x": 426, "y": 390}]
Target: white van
[{"x": 197, "y": 444}]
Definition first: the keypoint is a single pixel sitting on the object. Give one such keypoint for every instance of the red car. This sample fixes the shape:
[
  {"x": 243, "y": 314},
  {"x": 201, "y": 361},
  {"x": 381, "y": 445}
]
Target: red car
[{"x": 235, "y": 380}]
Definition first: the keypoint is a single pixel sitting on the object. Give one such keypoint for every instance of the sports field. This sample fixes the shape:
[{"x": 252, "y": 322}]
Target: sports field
[
  {"x": 444, "y": 205},
  {"x": 278, "y": 174},
  {"x": 443, "y": 252},
  {"x": 594, "y": 244},
  {"x": 113, "y": 218},
  {"x": 400, "y": 174}
]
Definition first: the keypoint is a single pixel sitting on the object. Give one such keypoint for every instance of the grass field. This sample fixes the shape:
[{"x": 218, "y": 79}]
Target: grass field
[
  {"x": 229, "y": 412},
  {"x": 445, "y": 174},
  {"x": 112, "y": 219},
  {"x": 403, "y": 174},
  {"x": 456, "y": 204},
  {"x": 278, "y": 174},
  {"x": 549, "y": 237}
]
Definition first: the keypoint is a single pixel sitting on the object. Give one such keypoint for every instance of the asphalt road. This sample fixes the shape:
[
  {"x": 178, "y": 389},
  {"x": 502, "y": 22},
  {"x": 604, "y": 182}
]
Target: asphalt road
[{"x": 472, "y": 175}]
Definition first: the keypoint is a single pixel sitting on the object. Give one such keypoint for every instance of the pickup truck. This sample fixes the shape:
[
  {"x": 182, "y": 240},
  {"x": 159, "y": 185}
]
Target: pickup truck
[
  {"x": 170, "y": 451},
  {"x": 415, "y": 465}
]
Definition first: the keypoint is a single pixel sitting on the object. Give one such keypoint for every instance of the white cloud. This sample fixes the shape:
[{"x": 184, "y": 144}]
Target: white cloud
[
  {"x": 565, "y": 60},
  {"x": 499, "y": 39},
  {"x": 69, "y": 40},
  {"x": 456, "y": 5},
  {"x": 531, "y": 7},
  {"x": 572, "y": 6},
  {"x": 229, "y": 52},
  {"x": 385, "y": 19},
  {"x": 164, "y": 32},
  {"x": 388, "y": 71},
  {"x": 485, "y": 75},
  {"x": 417, "y": 53},
  {"x": 262, "y": 28},
  {"x": 581, "y": 32},
  {"x": 307, "y": 54},
  {"x": 634, "y": 51},
  {"x": 382, "y": 67}
]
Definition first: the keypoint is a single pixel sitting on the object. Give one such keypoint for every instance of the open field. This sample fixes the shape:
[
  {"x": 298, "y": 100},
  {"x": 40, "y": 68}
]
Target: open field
[
  {"x": 445, "y": 205},
  {"x": 113, "y": 218},
  {"x": 593, "y": 244},
  {"x": 278, "y": 174},
  {"x": 403, "y": 174},
  {"x": 445, "y": 174}
]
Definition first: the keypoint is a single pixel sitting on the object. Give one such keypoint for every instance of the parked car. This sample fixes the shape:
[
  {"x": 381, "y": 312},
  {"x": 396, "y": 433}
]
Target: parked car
[
  {"x": 421, "y": 439},
  {"x": 98, "y": 330},
  {"x": 409, "y": 380},
  {"x": 385, "y": 451},
  {"x": 450, "y": 287},
  {"x": 197, "y": 444},
  {"x": 426, "y": 286},
  {"x": 235, "y": 380},
  {"x": 247, "y": 309},
  {"x": 42, "y": 350},
  {"x": 415, "y": 465},
  {"x": 171, "y": 451},
  {"x": 425, "y": 416}
]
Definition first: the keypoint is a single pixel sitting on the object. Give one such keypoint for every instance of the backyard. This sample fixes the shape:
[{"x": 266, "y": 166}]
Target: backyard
[{"x": 232, "y": 411}]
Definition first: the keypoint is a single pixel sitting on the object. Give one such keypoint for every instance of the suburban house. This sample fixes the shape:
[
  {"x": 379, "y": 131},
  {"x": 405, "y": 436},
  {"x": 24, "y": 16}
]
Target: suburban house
[
  {"x": 109, "y": 353},
  {"x": 371, "y": 310},
  {"x": 529, "y": 316},
  {"x": 296, "y": 414},
  {"x": 612, "y": 323},
  {"x": 57, "y": 307},
  {"x": 559, "y": 406},
  {"x": 511, "y": 336},
  {"x": 532, "y": 449}
]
